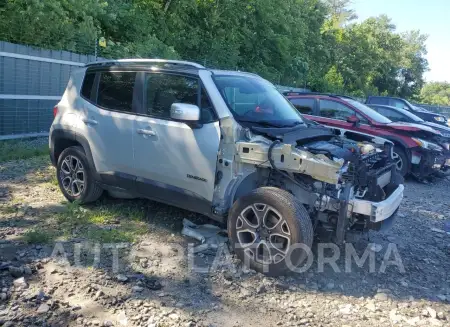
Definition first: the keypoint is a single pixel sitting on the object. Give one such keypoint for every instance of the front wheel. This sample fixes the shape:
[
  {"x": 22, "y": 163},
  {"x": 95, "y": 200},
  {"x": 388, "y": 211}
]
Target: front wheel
[
  {"x": 75, "y": 177},
  {"x": 401, "y": 161},
  {"x": 270, "y": 230}
]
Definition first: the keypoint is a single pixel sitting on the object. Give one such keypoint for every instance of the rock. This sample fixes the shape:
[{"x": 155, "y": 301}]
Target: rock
[
  {"x": 381, "y": 297},
  {"x": 330, "y": 286},
  {"x": 121, "y": 278},
  {"x": 122, "y": 318},
  {"x": 371, "y": 306},
  {"x": 394, "y": 317},
  {"x": 98, "y": 295},
  {"x": 441, "y": 297},
  {"x": 15, "y": 271},
  {"x": 261, "y": 289},
  {"x": 3, "y": 296},
  {"x": 107, "y": 323},
  {"x": 441, "y": 315},
  {"x": 143, "y": 262},
  {"x": 95, "y": 322},
  {"x": 20, "y": 283},
  {"x": 281, "y": 286},
  {"x": 435, "y": 322},
  {"x": 432, "y": 312},
  {"x": 27, "y": 270},
  {"x": 137, "y": 289},
  {"x": 8, "y": 324},
  {"x": 346, "y": 309},
  {"x": 43, "y": 308},
  {"x": 174, "y": 316},
  {"x": 414, "y": 321}
]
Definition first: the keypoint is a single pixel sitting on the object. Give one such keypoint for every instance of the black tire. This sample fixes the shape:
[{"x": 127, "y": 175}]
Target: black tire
[
  {"x": 293, "y": 214},
  {"x": 91, "y": 191},
  {"x": 401, "y": 155}
]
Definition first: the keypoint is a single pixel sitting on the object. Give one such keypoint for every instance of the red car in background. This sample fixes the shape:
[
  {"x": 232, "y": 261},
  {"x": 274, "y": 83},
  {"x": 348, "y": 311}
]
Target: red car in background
[{"x": 416, "y": 148}]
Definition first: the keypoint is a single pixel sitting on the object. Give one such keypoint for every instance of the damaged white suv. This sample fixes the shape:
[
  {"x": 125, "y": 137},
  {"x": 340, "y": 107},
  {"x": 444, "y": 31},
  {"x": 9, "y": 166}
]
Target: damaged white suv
[{"x": 224, "y": 144}]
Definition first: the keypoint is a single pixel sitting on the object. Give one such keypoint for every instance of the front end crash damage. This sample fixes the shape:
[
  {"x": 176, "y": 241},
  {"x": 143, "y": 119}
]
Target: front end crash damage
[{"x": 344, "y": 185}]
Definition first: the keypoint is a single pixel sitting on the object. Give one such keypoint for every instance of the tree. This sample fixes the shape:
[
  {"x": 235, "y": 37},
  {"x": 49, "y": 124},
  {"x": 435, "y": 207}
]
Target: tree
[{"x": 437, "y": 93}]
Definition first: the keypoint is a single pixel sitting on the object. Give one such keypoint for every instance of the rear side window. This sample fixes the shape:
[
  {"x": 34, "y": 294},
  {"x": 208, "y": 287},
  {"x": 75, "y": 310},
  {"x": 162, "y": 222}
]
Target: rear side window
[
  {"x": 398, "y": 104},
  {"x": 376, "y": 100},
  {"x": 115, "y": 90},
  {"x": 163, "y": 90},
  {"x": 304, "y": 106},
  {"x": 88, "y": 83}
]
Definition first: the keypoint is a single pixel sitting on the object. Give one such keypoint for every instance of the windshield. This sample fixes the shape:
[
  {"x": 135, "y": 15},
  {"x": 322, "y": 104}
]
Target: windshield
[
  {"x": 372, "y": 114},
  {"x": 411, "y": 115},
  {"x": 254, "y": 100}
]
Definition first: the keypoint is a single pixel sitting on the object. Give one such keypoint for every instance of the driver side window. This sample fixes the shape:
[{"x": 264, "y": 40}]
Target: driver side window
[
  {"x": 337, "y": 110},
  {"x": 398, "y": 104},
  {"x": 391, "y": 114}
]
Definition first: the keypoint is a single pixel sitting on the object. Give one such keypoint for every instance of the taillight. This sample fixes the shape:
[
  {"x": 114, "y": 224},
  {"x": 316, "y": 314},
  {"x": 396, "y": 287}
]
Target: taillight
[{"x": 55, "y": 111}]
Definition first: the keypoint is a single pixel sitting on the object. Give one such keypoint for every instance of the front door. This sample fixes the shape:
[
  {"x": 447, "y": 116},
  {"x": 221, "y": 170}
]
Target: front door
[{"x": 175, "y": 162}]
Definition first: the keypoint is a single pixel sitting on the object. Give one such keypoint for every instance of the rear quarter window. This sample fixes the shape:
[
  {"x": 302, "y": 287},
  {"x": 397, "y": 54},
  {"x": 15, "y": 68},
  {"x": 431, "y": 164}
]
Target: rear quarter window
[
  {"x": 88, "y": 83},
  {"x": 304, "y": 106}
]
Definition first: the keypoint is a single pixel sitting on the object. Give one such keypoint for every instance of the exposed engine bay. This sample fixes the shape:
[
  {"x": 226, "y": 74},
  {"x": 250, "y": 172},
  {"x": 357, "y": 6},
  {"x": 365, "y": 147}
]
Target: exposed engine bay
[{"x": 329, "y": 174}]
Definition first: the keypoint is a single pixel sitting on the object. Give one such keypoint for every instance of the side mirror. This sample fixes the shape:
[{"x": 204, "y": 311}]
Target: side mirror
[
  {"x": 187, "y": 113},
  {"x": 353, "y": 119}
]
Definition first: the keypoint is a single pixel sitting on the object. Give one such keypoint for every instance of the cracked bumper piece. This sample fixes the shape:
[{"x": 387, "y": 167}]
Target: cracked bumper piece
[{"x": 379, "y": 211}]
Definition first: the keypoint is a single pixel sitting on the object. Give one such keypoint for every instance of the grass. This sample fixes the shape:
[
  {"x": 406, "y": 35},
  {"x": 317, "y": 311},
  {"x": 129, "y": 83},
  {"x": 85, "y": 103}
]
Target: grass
[
  {"x": 21, "y": 149},
  {"x": 36, "y": 236},
  {"x": 106, "y": 222}
]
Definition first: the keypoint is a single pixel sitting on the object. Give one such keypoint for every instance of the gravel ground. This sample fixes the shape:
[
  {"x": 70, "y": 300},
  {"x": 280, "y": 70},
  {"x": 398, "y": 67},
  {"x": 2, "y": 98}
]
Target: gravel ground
[{"x": 57, "y": 273}]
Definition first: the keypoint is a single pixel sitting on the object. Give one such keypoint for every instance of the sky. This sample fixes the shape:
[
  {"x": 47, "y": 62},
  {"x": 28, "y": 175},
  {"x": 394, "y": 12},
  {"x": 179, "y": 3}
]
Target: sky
[{"x": 431, "y": 17}]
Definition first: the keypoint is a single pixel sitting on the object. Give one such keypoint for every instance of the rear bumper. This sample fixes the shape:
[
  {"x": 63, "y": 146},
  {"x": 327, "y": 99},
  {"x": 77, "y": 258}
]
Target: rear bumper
[{"x": 379, "y": 211}]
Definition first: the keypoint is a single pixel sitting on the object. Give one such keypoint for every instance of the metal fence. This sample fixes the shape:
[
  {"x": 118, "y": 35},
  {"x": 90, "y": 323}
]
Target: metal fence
[
  {"x": 32, "y": 81},
  {"x": 445, "y": 110}
]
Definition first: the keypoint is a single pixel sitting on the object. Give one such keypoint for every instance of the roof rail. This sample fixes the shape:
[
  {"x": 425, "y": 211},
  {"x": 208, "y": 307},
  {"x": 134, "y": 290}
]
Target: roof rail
[
  {"x": 331, "y": 95},
  {"x": 145, "y": 61}
]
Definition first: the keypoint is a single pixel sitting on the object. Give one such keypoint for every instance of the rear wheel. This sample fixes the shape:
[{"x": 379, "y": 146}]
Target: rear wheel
[
  {"x": 266, "y": 228},
  {"x": 401, "y": 161},
  {"x": 75, "y": 177}
]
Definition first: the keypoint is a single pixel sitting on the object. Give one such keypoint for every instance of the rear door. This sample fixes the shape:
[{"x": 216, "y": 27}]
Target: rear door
[
  {"x": 174, "y": 161},
  {"x": 106, "y": 121}
]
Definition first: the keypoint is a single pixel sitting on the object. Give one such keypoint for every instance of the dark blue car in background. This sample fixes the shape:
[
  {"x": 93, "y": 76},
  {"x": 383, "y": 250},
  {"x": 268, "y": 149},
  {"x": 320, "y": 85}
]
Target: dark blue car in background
[{"x": 406, "y": 105}]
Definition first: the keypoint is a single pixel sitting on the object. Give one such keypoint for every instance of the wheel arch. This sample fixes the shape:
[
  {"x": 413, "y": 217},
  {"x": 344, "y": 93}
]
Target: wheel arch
[{"x": 62, "y": 139}]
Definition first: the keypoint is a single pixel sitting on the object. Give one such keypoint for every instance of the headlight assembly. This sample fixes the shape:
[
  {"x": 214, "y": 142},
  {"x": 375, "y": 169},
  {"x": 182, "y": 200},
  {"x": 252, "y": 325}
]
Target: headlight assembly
[{"x": 427, "y": 145}]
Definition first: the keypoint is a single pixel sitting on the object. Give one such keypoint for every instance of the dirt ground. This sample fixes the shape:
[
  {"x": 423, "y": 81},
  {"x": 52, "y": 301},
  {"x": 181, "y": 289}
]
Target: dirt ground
[{"x": 125, "y": 263}]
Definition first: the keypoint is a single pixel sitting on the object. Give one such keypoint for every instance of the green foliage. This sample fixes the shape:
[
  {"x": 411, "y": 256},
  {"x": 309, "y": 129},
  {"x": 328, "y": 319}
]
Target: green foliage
[
  {"x": 304, "y": 43},
  {"x": 21, "y": 149},
  {"x": 437, "y": 93}
]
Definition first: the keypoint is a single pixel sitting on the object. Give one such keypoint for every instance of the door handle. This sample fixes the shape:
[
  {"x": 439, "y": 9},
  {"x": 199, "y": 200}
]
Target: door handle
[
  {"x": 147, "y": 132},
  {"x": 91, "y": 122}
]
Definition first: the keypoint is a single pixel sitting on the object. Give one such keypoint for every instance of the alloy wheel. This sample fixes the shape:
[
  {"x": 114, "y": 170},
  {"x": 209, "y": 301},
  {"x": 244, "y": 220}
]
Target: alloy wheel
[
  {"x": 72, "y": 176},
  {"x": 398, "y": 161},
  {"x": 263, "y": 234}
]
